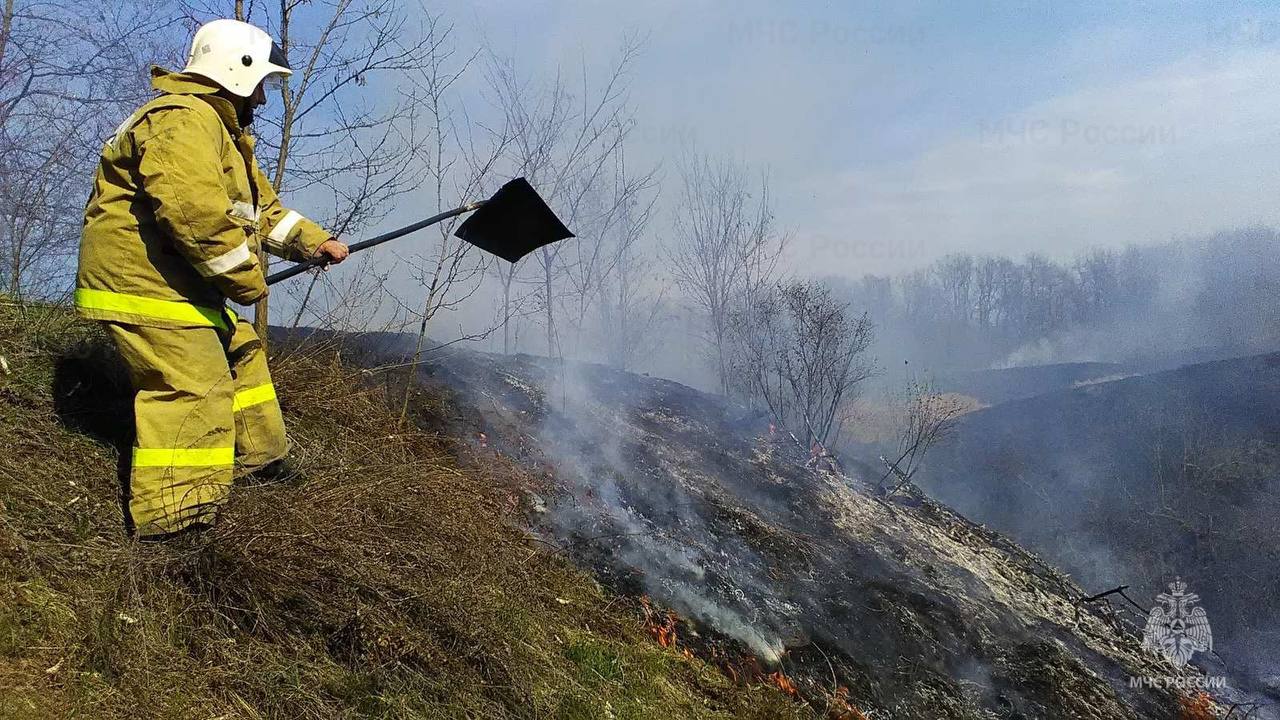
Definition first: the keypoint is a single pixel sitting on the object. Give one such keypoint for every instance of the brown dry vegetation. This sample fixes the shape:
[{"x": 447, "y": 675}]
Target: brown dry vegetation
[
  {"x": 879, "y": 419},
  {"x": 391, "y": 583}
]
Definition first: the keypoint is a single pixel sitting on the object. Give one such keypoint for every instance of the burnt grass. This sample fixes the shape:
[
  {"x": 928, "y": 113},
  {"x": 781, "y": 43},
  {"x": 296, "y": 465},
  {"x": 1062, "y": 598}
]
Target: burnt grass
[
  {"x": 1140, "y": 480},
  {"x": 905, "y": 609}
]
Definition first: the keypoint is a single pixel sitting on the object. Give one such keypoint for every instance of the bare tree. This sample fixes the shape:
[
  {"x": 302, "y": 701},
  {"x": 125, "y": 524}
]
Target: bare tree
[
  {"x": 567, "y": 144},
  {"x": 69, "y": 71},
  {"x": 619, "y": 215},
  {"x": 724, "y": 247},
  {"x": 955, "y": 276},
  {"x": 459, "y": 163},
  {"x": 802, "y": 353},
  {"x": 330, "y": 135},
  {"x": 987, "y": 281},
  {"x": 629, "y": 296},
  {"x": 928, "y": 417},
  {"x": 1098, "y": 279},
  {"x": 508, "y": 315}
]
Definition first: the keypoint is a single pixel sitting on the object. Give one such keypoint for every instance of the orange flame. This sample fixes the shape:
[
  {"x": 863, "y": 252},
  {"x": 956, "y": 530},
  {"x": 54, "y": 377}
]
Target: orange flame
[
  {"x": 666, "y": 632},
  {"x": 782, "y": 682},
  {"x": 1196, "y": 707},
  {"x": 661, "y": 623},
  {"x": 839, "y": 707}
]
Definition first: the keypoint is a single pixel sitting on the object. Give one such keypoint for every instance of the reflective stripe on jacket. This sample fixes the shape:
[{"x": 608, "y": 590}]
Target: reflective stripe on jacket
[{"x": 179, "y": 213}]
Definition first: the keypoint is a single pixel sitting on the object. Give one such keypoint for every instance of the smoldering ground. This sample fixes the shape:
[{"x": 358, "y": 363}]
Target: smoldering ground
[{"x": 685, "y": 498}]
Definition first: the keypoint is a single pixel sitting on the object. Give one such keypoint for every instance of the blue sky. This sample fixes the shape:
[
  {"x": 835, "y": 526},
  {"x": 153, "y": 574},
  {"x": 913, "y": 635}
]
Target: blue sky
[{"x": 897, "y": 132}]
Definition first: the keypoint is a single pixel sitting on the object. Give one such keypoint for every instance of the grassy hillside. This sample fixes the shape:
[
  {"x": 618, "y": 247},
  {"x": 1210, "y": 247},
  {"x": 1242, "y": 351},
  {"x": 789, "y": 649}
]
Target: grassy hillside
[
  {"x": 392, "y": 583},
  {"x": 1139, "y": 481}
]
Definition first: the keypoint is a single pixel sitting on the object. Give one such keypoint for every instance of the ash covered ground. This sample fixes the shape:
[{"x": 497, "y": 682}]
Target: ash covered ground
[{"x": 902, "y": 607}]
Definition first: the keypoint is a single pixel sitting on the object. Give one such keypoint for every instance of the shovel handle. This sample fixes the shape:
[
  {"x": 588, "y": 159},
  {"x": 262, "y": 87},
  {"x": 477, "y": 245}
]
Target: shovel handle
[{"x": 365, "y": 244}]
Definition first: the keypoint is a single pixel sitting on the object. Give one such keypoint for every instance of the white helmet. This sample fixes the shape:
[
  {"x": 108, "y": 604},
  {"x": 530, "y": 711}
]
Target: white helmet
[{"x": 236, "y": 55}]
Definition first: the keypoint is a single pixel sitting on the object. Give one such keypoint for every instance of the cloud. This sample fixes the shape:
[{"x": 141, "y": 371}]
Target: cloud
[
  {"x": 1189, "y": 148},
  {"x": 892, "y": 138}
]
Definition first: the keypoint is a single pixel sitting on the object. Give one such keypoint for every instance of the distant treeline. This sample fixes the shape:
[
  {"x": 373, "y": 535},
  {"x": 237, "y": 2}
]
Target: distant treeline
[{"x": 1164, "y": 303}]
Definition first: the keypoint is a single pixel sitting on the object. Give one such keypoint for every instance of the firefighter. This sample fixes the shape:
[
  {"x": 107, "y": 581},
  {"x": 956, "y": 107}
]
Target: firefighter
[{"x": 177, "y": 218}]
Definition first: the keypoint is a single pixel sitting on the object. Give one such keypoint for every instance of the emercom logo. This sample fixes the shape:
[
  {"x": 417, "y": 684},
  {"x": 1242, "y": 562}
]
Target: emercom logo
[{"x": 1177, "y": 628}]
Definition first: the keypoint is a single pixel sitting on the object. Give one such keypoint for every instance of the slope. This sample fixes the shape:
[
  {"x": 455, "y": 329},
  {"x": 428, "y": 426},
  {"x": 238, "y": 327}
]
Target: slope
[
  {"x": 392, "y": 583},
  {"x": 991, "y": 387},
  {"x": 904, "y": 611},
  {"x": 1139, "y": 481}
]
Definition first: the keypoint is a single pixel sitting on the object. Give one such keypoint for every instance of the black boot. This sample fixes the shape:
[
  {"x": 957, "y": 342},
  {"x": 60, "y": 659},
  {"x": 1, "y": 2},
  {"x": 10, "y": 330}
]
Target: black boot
[
  {"x": 276, "y": 472},
  {"x": 192, "y": 531}
]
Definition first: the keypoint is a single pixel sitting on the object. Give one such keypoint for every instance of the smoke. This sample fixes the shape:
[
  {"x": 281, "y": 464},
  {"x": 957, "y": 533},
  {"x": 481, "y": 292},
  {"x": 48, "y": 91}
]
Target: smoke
[
  {"x": 1183, "y": 316},
  {"x": 676, "y": 494},
  {"x": 1150, "y": 306},
  {"x": 1120, "y": 341},
  {"x": 651, "y": 526},
  {"x": 655, "y": 502},
  {"x": 1137, "y": 481}
]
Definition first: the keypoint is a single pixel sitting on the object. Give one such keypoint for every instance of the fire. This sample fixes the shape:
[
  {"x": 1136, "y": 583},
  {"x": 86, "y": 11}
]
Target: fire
[
  {"x": 661, "y": 624},
  {"x": 665, "y": 633},
  {"x": 839, "y": 707},
  {"x": 1196, "y": 707},
  {"x": 782, "y": 682}
]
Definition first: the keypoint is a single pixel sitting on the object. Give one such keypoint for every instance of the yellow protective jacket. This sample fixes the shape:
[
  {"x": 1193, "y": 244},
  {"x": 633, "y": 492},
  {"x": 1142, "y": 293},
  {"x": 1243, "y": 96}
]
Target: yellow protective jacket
[{"x": 179, "y": 213}]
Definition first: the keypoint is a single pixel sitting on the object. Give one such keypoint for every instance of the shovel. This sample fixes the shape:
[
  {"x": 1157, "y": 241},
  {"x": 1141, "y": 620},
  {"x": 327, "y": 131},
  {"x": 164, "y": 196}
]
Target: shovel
[{"x": 511, "y": 224}]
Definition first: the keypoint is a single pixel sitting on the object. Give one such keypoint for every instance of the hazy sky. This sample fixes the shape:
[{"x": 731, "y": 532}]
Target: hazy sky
[{"x": 897, "y": 132}]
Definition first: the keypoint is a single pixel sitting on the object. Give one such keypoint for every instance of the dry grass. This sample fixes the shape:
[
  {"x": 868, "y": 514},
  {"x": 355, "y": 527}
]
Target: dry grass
[
  {"x": 391, "y": 583},
  {"x": 878, "y": 420}
]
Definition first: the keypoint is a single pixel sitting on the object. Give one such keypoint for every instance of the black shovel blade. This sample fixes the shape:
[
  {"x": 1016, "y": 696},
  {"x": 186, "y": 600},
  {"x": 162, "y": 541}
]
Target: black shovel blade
[{"x": 513, "y": 223}]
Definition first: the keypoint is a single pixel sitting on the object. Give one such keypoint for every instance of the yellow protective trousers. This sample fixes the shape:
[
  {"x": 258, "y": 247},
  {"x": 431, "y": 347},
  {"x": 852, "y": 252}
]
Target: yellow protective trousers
[{"x": 204, "y": 409}]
